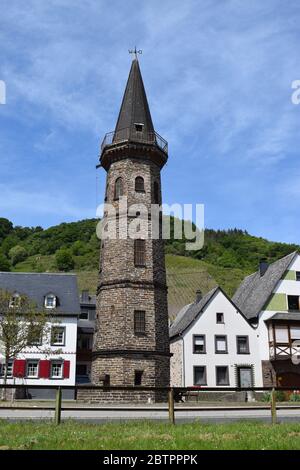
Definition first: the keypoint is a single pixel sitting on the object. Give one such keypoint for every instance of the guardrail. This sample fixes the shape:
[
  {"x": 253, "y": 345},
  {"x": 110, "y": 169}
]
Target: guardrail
[{"x": 173, "y": 394}]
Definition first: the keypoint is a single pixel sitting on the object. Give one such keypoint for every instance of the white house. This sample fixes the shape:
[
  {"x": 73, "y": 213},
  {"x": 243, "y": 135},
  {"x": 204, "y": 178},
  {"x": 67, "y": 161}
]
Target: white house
[
  {"x": 214, "y": 345},
  {"x": 270, "y": 299},
  {"x": 52, "y": 359}
]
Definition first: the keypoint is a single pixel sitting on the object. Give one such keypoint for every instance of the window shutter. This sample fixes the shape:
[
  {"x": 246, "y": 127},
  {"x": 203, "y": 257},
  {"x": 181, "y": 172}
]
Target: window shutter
[
  {"x": 19, "y": 368},
  {"x": 66, "y": 371},
  {"x": 44, "y": 369}
]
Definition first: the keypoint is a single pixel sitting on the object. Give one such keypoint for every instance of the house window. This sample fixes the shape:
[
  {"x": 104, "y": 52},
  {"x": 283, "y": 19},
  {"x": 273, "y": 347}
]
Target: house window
[
  {"x": 156, "y": 192},
  {"x": 221, "y": 344},
  {"x": 200, "y": 375},
  {"x": 138, "y": 127},
  {"x": 282, "y": 334},
  {"x": 32, "y": 369},
  {"x": 295, "y": 332},
  {"x": 118, "y": 188},
  {"x": 35, "y": 336},
  {"x": 56, "y": 370},
  {"x": 15, "y": 301},
  {"x": 139, "y": 322},
  {"x": 138, "y": 374},
  {"x": 297, "y": 275},
  {"x": 50, "y": 301},
  {"x": 199, "y": 344},
  {"x": 9, "y": 369},
  {"x": 222, "y": 375},
  {"x": 139, "y": 252},
  {"x": 58, "y": 336},
  {"x": 293, "y": 302},
  {"x": 84, "y": 315},
  {"x": 220, "y": 317},
  {"x": 139, "y": 184},
  {"x": 242, "y": 343}
]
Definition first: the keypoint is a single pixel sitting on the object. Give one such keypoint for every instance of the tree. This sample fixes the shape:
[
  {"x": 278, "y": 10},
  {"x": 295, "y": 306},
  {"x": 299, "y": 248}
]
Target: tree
[
  {"x": 21, "y": 324},
  {"x": 5, "y": 227},
  {"x": 64, "y": 260},
  {"x": 4, "y": 263},
  {"x": 17, "y": 254}
]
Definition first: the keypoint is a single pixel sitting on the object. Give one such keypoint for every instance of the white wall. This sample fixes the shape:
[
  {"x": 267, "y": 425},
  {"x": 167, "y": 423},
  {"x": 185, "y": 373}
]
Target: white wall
[
  {"x": 66, "y": 353},
  {"x": 235, "y": 325}
]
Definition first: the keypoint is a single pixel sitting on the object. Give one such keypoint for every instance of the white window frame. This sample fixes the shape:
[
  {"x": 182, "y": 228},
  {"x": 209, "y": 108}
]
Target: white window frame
[
  {"x": 63, "y": 342},
  {"x": 32, "y": 361},
  {"x": 53, "y": 364}
]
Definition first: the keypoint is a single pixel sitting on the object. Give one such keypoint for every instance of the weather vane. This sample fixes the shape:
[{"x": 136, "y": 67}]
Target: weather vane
[{"x": 135, "y": 51}]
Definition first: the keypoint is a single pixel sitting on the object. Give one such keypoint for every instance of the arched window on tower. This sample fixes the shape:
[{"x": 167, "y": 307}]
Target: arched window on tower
[
  {"x": 118, "y": 188},
  {"x": 139, "y": 184},
  {"x": 139, "y": 252},
  {"x": 156, "y": 192}
]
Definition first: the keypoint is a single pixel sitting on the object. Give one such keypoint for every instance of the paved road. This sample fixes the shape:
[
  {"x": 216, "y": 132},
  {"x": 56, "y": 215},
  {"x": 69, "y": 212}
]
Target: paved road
[{"x": 101, "y": 416}]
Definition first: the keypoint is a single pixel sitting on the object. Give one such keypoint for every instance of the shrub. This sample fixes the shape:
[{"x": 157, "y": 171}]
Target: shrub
[{"x": 295, "y": 397}]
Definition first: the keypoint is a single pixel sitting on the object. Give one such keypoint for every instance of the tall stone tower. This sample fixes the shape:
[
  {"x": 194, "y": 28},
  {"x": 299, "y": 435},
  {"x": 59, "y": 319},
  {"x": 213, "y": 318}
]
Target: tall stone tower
[{"x": 131, "y": 345}]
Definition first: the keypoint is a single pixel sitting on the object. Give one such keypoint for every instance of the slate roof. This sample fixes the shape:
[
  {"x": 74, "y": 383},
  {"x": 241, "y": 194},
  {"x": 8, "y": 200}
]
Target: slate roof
[
  {"x": 37, "y": 285},
  {"x": 285, "y": 316},
  {"x": 189, "y": 313},
  {"x": 134, "y": 107},
  {"x": 255, "y": 290}
]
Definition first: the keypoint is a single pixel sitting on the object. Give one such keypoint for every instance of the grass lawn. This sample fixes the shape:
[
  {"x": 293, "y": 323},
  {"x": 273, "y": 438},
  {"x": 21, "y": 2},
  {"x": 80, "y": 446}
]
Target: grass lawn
[{"x": 148, "y": 435}]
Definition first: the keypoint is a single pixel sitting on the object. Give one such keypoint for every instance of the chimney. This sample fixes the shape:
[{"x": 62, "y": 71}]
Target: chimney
[
  {"x": 85, "y": 296},
  {"x": 263, "y": 266},
  {"x": 198, "y": 296}
]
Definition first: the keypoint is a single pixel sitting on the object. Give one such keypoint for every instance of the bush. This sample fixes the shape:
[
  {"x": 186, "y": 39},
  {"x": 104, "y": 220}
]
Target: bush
[
  {"x": 17, "y": 254},
  {"x": 266, "y": 397},
  {"x": 64, "y": 260},
  {"x": 295, "y": 396}
]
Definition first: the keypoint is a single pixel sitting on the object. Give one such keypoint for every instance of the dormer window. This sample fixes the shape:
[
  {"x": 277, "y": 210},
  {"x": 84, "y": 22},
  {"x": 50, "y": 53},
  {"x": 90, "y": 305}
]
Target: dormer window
[
  {"x": 138, "y": 127},
  {"x": 15, "y": 300},
  {"x": 50, "y": 301}
]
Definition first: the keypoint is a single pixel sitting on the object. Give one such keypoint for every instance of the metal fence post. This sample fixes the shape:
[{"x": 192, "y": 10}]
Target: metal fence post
[
  {"x": 273, "y": 406},
  {"x": 58, "y": 406},
  {"x": 171, "y": 406}
]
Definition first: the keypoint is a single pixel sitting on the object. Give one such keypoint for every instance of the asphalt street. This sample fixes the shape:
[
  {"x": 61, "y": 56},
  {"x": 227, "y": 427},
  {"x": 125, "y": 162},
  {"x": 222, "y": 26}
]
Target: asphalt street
[{"x": 101, "y": 416}]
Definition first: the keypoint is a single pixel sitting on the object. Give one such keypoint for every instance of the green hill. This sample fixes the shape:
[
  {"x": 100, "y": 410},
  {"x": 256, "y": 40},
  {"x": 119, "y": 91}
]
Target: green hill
[{"x": 227, "y": 256}]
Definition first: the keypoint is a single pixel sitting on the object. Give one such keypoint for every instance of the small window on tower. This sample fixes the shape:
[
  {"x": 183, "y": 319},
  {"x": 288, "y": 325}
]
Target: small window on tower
[
  {"x": 139, "y": 252},
  {"x": 138, "y": 374},
  {"x": 139, "y": 184},
  {"x": 139, "y": 322},
  {"x": 118, "y": 188},
  {"x": 138, "y": 127}
]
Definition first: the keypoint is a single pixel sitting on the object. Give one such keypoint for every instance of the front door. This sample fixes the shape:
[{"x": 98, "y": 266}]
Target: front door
[{"x": 245, "y": 377}]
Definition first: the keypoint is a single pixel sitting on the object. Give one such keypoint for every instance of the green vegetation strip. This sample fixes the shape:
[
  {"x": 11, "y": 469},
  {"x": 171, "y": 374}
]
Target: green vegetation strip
[{"x": 148, "y": 435}]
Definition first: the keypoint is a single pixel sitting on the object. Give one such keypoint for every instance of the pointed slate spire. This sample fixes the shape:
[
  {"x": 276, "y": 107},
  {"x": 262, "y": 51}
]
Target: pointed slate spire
[{"x": 134, "y": 119}]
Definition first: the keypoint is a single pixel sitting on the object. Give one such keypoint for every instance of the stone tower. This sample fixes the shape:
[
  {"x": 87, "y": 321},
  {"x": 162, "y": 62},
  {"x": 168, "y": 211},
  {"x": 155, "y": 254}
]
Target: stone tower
[{"x": 131, "y": 345}]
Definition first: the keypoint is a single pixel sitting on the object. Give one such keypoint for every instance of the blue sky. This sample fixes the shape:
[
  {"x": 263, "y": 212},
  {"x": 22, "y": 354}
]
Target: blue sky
[{"x": 218, "y": 76}]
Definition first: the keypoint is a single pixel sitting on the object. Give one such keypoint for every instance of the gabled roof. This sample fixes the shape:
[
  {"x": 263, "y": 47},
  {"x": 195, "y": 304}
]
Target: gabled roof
[
  {"x": 255, "y": 290},
  {"x": 36, "y": 286},
  {"x": 189, "y": 313},
  {"x": 134, "y": 108}
]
